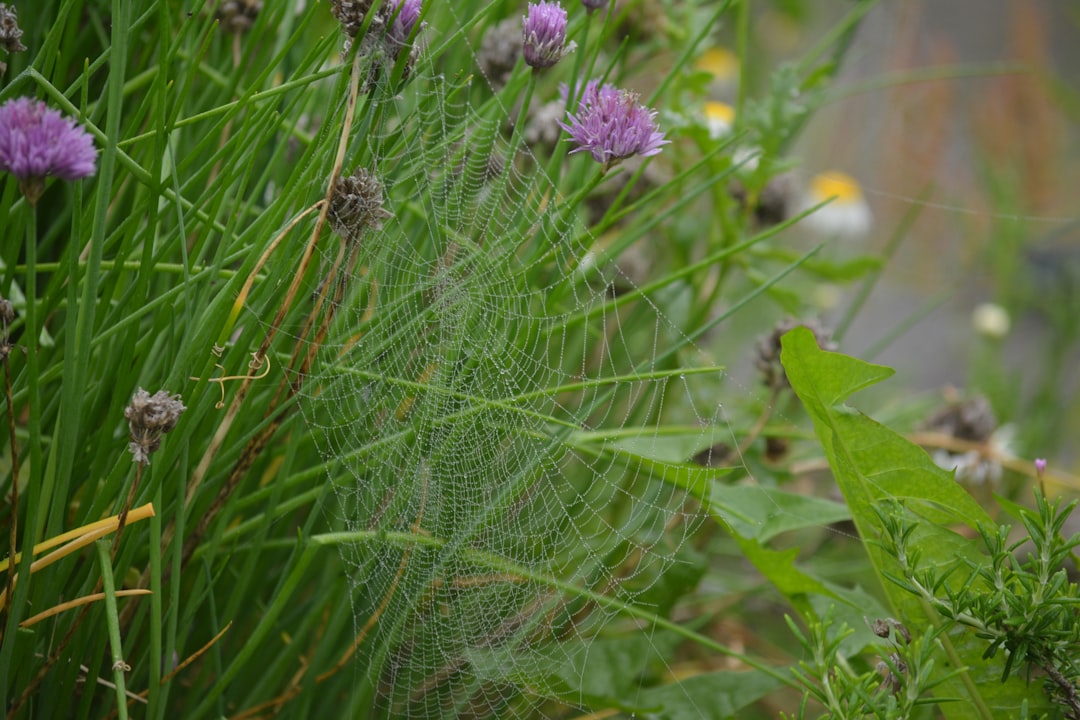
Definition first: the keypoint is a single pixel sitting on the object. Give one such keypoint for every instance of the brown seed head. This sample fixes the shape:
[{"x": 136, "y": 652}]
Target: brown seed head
[
  {"x": 9, "y": 30},
  {"x": 149, "y": 417},
  {"x": 356, "y": 205},
  {"x": 237, "y": 16}
]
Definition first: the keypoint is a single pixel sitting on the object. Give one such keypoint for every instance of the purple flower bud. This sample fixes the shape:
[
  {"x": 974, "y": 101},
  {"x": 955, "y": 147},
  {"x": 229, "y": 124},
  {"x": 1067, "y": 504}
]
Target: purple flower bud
[
  {"x": 591, "y": 5},
  {"x": 611, "y": 125},
  {"x": 1040, "y": 466},
  {"x": 544, "y": 31},
  {"x": 404, "y": 20},
  {"x": 36, "y": 142}
]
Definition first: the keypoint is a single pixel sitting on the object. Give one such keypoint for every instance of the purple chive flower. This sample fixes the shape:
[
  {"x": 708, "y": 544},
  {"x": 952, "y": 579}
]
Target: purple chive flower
[
  {"x": 407, "y": 13},
  {"x": 1040, "y": 466},
  {"x": 544, "y": 33},
  {"x": 611, "y": 125},
  {"x": 36, "y": 142}
]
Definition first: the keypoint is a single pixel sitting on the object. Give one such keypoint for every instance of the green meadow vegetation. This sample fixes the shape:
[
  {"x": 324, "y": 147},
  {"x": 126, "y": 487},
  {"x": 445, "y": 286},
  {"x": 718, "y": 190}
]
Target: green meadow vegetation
[{"x": 387, "y": 360}]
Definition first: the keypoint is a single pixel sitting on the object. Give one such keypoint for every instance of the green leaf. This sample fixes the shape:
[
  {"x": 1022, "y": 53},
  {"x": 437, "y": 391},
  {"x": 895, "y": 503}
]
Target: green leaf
[
  {"x": 653, "y": 455},
  {"x": 763, "y": 513},
  {"x": 609, "y": 672},
  {"x": 871, "y": 462},
  {"x": 712, "y": 696},
  {"x": 603, "y": 672},
  {"x": 753, "y": 515},
  {"x": 872, "y": 465}
]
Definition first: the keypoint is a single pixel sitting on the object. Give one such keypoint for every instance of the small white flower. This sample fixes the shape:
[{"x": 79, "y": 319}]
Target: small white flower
[
  {"x": 991, "y": 320},
  {"x": 719, "y": 119},
  {"x": 847, "y": 216}
]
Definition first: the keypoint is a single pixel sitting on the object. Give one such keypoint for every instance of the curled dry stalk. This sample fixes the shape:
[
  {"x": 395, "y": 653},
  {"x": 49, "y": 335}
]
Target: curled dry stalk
[
  {"x": 257, "y": 444},
  {"x": 122, "y": 521}
]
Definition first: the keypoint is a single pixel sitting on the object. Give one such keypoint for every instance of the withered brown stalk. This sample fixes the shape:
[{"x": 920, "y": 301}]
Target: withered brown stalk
[{"x": 254, "y": 447}]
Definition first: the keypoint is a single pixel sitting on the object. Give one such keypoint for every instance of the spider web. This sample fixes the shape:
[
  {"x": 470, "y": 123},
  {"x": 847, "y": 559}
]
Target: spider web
[{"x": 511, "y": 435}]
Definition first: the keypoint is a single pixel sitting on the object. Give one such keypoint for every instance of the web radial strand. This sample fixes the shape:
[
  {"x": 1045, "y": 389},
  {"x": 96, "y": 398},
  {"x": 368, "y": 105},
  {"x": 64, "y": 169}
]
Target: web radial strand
[{"x": 488, "y": 410}]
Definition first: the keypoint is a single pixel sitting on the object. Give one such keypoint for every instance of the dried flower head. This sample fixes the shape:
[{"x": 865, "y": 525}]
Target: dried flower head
[
  {"x": 611, "y": 125},
  {"x": 351, "y": 14},
  {"x": 36, "y": 142},
  {"x": 499, "y": 51},
  {"x": 237, "y": 16},
  {"x": 775, "y": 201},
  {"x": 386, "y": 38},
  {"x": 356, "y": 205},
  {"x": 149, "y": 417},
  {"x": 9, "y": 30},
  {"x": 970, "y": 421},
  {"x": 397, "y": 17},
  {"x": 768, "y": 350},
  {"x": 544, "y": 34}
]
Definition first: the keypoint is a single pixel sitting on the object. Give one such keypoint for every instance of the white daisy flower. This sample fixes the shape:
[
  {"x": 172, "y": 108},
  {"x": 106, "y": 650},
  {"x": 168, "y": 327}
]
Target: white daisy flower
[
  {"x": 847, "y": 216},
  {"x": 719, "y": 118}
]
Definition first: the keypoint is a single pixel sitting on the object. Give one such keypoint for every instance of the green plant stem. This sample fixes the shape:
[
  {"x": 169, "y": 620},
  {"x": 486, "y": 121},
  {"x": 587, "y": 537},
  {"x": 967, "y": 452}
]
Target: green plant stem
[
  {"x": 14, "y": 535},
  {"x": 119, "y": 666},
  {"x": 136, "y": 266},
  {"x": 519, "y": 124},
  {"x": 34, "y": 516},
  {"x": 155, "y": 695}
]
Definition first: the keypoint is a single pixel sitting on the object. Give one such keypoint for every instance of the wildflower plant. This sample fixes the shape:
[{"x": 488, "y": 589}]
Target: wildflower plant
[
  {"x": 1017, "y": 599},
  {"x": 611, "y": 125},
  {"x": 37, "y": 142},
  {"x": 544, "y": 34},
  {"x": 448, "y": 430}
]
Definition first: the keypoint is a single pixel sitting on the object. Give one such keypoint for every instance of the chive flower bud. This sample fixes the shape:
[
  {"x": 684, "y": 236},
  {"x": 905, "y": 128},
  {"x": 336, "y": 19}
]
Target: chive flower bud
[{"x": 544, "y": 33}]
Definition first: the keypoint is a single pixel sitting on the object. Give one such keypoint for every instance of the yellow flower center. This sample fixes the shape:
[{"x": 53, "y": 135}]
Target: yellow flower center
[
  {"x": 718, "y": 111},
  {"x": 719, "y": 62},
  {"x": 843, "y": 187}
]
